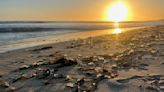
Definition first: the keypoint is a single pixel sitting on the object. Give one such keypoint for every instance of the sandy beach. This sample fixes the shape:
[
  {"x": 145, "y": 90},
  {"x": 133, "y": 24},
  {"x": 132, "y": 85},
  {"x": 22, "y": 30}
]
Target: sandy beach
[{"x": 100, "y": 62}]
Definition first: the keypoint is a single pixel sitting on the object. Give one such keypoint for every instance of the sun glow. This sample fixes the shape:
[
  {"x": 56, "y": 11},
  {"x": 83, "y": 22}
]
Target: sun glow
[{"x": 117, "y": 12}]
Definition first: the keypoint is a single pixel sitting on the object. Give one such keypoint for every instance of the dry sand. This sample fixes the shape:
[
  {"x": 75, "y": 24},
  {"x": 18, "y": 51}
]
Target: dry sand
[{"x": 128, "y": 62}]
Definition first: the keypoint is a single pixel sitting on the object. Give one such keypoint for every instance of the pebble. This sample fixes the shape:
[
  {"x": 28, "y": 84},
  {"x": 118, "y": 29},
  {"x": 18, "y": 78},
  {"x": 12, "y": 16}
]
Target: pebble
[
  {"x": 101, "y": 59},
  {"x": 71, "y": 85},
  {"x": 91, "y": 64},
  {"x": 11, "y": 88},
  {"x": 130, "y": 51},
  {"x": 107, "y": 76},
  {"x": 68, "y": 77},
  {"x": 98, "y": 69},
  {"x": 58, "y": 76},
  {"x": 114, "y": 66},
  {"x": 99, "y": 75},
  {"x": 24, "y": 76},
  {"x": 94, "y": 84},
  {"x": 4, "y": 83},
  {"x": 24, "y": 67},
  {"x": 153, "y": 51}
]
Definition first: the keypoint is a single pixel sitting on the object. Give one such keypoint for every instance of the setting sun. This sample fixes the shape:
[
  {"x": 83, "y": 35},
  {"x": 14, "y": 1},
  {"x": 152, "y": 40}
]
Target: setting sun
[{"x": 117, "y": 12}]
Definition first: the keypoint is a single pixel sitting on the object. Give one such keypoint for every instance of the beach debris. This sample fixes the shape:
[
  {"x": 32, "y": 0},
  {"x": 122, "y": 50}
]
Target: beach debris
[
  {"x": 91, "y": 64},
  {"x": 12, "y": 88},
  {"x": 80, "y": 81},
  {"x": 24, "y": 67},
  {"x": 114, "y": 66},
  {"x": 101, "y": 58},
  {"x": 98, "y": 69},
  {"x": 153, "y": 51},
  {"x": 46, "y": 82},
  {"x": 25, "y": 76},
  {"x": 66, "y": 61},
  {"x": 99, "y": 75},
  {"x": 68, "y": 77},
  {"x": 43, "y": 74},
  {"x": 59, "y": 76},
  {"x": 130, "y": 51},
  {"x": 94, "y": 84},
  {"x": 4, "y": 83},
  {"x": 43, "y": 48},
  {"x": 71, "y": 85}
]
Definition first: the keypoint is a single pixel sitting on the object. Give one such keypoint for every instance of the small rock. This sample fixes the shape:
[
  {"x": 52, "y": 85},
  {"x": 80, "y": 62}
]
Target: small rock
[
  {"x": 116, "y": 59},
  {"x": 130, "y": 51},
  {"x": 114, "y": 66},
  {"x": 79, "y": 55},
  {"x": 142, "y": 46},
  {"x": 99, "y": 75},
  {"x": 80, "y": 81},
  {"x": 98, "y": 69},
  {"x": 68, "y": 77},
  {"x": 33, "y": 75},
  {"x": 111, "y": 54},
  {"x": 94, "y": 84},
  {"x": 46, "y": 82},
  {"x": 151, "y": 88},
  {"x": 107, "y": 76},
  {"x": 101, "y": 59},
  {"x": 11, "y": 88},
  {"x": 58, "y": 76},
  {"x": 153, "y": 51},
  {"x": 65, "y": 55},
  {"x": 91, "y": 64},
  {"x": 71, "y": 85},
  {"x": 24, "y": 67},
  {"x": 4, "y": 83},
  {"x": 24, "y": 76}
]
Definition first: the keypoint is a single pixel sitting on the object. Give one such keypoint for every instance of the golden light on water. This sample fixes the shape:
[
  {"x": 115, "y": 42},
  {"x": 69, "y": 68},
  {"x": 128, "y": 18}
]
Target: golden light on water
[
  {"x": 117, "y": 31},
  {"x": 117, "y": 12}
]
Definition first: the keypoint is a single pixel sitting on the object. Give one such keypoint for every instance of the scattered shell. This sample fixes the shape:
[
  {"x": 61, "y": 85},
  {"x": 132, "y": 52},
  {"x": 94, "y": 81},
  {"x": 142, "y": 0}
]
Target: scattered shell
[
  {"x": 130, "y": 51},
  {"x": 99, "y": 75},
  {"x": 79, "y": 55},
  {"x": 24, "y": 67},
  {"x": 107, "y": 76},
  {"x": 4, "y": 83},
  {"x": 111, "y": 54},
  {"x": 153, "y": 51},
  {"x": 11, "y": 88},
  {"x": 24, "y": 76},
  {"x": 65, "y": 55},
  {"x": 114, "y": 66},
  {"x": 91, "y": 64},
  {"x": 98, "y": 69},
  {"x": 34, "y": 75},
  {"x": 94, "y": 84},
  {"x": 68, "y": 77},
  {"x": 142, "y": 46},
  {"x": 58, "y": 76},
  {"x": 116, "y": 59},
  {"x": 101, "y": 59},
  {"x": 71, "y": 85}
]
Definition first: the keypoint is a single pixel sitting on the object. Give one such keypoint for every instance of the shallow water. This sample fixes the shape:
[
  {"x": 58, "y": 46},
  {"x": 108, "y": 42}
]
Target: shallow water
[{"x": 14, "y": 31}]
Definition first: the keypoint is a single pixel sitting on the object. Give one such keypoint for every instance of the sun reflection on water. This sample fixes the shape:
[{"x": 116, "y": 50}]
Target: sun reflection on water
[{"x": 117, "y": 30}]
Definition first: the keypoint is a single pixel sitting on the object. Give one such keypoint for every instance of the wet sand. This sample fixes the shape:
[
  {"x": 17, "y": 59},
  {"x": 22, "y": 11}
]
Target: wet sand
[{"x": 128, "y": 62}]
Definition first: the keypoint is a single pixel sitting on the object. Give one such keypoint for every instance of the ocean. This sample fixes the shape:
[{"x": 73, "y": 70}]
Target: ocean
[{"x": 16, "y": 31}]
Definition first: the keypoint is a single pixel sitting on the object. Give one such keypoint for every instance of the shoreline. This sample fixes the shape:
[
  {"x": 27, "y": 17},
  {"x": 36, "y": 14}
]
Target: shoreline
[{"x": 26, "y": 43}]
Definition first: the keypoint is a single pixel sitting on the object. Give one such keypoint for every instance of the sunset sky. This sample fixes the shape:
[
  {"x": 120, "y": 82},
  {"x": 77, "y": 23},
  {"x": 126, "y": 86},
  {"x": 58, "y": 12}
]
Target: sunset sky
[{"x": 77, "y": 10}]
